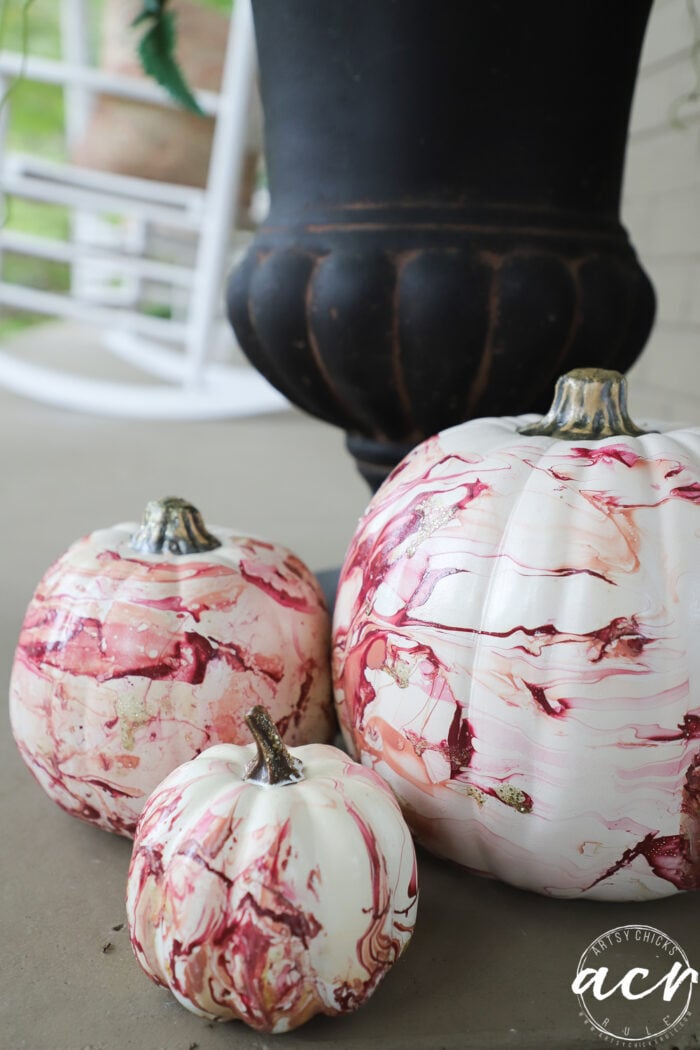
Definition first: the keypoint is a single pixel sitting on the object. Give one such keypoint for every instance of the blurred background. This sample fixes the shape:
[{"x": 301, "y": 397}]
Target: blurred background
[
  {"x": 661, "y": 204},
  {"x": 47, "y": 124}
]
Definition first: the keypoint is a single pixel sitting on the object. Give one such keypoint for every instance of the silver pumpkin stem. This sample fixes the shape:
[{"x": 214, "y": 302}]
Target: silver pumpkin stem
[
  {"x": 589, "y": 404},
  {"x": 174, "y": 526},
  {"x": 273, "y": 763}
]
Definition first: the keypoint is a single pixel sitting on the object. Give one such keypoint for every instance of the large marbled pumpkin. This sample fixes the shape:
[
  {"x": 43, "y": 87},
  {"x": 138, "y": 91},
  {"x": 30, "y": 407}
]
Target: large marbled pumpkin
[
  {"x": 142, "y": 647},
  {"x": 517, "y": 647}
]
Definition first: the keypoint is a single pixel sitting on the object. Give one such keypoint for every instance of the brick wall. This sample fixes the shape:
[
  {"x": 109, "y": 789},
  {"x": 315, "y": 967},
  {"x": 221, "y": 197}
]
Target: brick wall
[{"x": 661, "y": 210}]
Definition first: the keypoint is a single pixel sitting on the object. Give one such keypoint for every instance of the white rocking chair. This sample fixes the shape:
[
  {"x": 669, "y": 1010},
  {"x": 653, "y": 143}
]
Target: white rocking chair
[{"x": 178, "y": 351}]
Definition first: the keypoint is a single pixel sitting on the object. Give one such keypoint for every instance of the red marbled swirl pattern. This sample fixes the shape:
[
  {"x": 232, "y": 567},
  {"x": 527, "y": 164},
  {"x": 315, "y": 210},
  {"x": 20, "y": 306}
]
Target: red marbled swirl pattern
[
  {"x": 517, "y": 652},
  {"x": 129, "y": 664},
  {"x": 269, "y": 904}
]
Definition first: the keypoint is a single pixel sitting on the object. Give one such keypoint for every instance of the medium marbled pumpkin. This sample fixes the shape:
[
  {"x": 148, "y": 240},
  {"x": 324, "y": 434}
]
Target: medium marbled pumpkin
[
  {"x": 517, "y": 647},
  {"x": 270, "y": 886},
  {"x": 141, "y": 647}
]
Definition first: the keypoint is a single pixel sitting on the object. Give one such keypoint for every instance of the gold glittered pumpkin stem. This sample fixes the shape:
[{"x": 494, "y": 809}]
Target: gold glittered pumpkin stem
[
  {"x": 589, "y": 404},
  {"x": 174, "y": 526},
  {"x": 273, "y": 763}
]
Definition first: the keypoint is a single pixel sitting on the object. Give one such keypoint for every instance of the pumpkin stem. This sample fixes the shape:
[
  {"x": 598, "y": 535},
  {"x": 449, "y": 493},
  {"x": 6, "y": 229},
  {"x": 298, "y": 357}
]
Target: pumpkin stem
[
  {"x": 174, "y": 526},
  {"x": 589, "y": 404},
  {"x": 273, "y": 763}
]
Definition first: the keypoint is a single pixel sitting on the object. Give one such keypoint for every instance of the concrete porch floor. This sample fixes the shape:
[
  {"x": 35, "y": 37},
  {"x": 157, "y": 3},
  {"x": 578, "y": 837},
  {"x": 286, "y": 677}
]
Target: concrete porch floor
[{"x": 490, "y": 966}]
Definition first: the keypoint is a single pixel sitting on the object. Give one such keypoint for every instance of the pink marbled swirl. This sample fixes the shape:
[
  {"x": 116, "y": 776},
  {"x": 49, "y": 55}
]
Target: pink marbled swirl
[
  {"x": 269, "y": 904},
  {"x": 517, "y": 652},
  {"x": 129, "y": 664}
]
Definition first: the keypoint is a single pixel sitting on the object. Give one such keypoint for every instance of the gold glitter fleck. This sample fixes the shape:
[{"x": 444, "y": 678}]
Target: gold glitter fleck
[
  {"x": 131, "y": 712},
  {"x": 514, "y": 797},
  {"x": 477, "y": 795},
  {"x": 433, "y": 516},
  {"x": 400, "y": 671}
]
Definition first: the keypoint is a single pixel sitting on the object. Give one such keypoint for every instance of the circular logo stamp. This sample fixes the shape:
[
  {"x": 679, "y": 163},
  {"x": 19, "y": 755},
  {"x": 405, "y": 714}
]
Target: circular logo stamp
[{"x": 634, "y": 985}]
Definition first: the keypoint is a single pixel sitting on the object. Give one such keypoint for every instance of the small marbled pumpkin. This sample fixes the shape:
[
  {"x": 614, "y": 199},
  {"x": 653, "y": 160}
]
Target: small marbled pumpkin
[
  {"x": 268, "y": 886},
  {"x": 143, "y": 646}
]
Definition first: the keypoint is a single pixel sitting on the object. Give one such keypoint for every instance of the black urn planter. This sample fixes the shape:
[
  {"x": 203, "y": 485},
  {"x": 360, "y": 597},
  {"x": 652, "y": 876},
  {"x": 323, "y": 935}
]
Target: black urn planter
[{"x": 444, "y": 238}]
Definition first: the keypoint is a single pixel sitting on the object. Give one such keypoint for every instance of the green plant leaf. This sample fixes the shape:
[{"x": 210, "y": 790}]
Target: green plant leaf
[{"x": 157, "y": 53}]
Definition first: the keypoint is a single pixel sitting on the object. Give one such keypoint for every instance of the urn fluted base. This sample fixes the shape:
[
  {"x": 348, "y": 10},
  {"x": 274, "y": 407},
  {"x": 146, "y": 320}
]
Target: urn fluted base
[{"x": 397, "y": 322}]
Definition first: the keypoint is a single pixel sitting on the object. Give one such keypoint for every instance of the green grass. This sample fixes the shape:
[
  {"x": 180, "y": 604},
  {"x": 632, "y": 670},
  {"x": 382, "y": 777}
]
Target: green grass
[
  {"x": 35, "y": 125},
  {"x": 35, "y": 117},
  {"x": 36, "y": 110}
]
